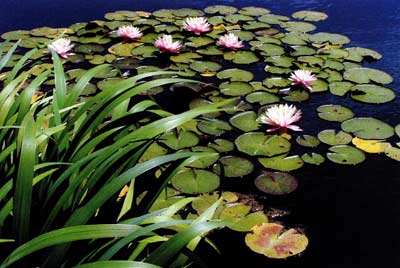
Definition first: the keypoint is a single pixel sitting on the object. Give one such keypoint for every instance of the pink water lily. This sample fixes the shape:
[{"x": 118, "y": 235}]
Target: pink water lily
[
  {"x": 62, "y": 47},
  {"x": 230, "y": 41},
  {"x": 281, "y": 117},
  {"x": 302, "y": 77},
  {"x": 165, "y": 44},
  {"x": 129, "y": 32},
  {"x": 197, "y": 25}
]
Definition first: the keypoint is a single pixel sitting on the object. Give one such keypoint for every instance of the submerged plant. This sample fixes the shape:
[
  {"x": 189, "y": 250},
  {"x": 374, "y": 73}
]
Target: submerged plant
[
  {"x": 281, "y": 117},
  {"x": 303, "y": 78},
  {"x": 230, "y": 41},
  {"x": 197, "y": 25},
  {"x": 62, "y": 47},
  {"x": 129, "y": 32},
  {"x": 166, "y": 44}
]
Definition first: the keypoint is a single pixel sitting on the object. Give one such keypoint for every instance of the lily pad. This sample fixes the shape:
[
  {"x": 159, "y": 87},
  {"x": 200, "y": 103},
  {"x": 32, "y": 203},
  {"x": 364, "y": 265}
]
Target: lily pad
[
  {"x": 235, "y": 88},
  {"x": 187, "y": 57},
  {"x": 366, "y": 75},
  {"x": 276, "y": 82},
  {"x": 241, "y": 57},
  {"x": 273, "y": 19},
  {"x": 340, "y": 88},
  {"x": 213, "y": 126},
  {"x": 282, "y": 163},
  {"x": 307, "y": 141},
  {"x": 205, "y": 66},
  {"x": 240, "y": 214},
  {"x": 262, "y": 98},
  {"x": 234, "y": 166},
  {"x": 200, "y": 41},
  {"x": 393, "y": 153},
  {"x": 330, "y": 137},
  {"x": 371, "y": 146},
  {"x": 358, "y": 54},
  {"x": 344, "y": 154},
  {"x": 221, "y": 9},
  {"x": 335, "y": 113},
  {"x": 270, "y": 240},
  {"x": 368, "y": 128},
  {"x": 295, "y": 38},
  {"x": 254, "y": 11},
  {"x": 245, "y": 121},
  {"x": 372, "y": 94},
  {"x": 258, "y": 143},
  {"x": 195, "y": 181},
  {"x": 204, "y": 162},
  {"x": 297, "y": 96},
  {"x": 334, "y": 39},
  {"x": 270, "y": 49},
  {"x": 280, "y": 61},
  {"x": 308, "y": 15},
  {"x": 297, "y": 26},
  {"x": 397, "y": 130},
  {"x": 313, "y": 158},
  {"x": 235, "y": 75},
  {"x": 211, "y": 51},
  {"x": 180, "y": 140},
  {"x": 276, "y": 183},
  {"x": 222, "y": 145},
  {"x": 123, "y": 49}
]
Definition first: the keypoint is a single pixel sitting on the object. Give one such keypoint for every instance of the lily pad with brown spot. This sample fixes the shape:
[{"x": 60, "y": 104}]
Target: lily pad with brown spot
[
  {"x": 195, "y": 181},
  {"x": 335, "y": 113},
  {"x": 276, "y": 183},
  {"x": 282, "y": 163},
  {"x": 261, "y": 144},
  {"x": 233, "y": 166},
  {"x": 345, "y": 154},
  {"x": 330, "y": 137},
  {"x": 368, "y": 128}
]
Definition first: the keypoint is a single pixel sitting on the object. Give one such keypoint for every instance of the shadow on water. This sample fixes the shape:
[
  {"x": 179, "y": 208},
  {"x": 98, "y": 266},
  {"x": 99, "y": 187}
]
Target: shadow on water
[{"x": 350, "y": 214}]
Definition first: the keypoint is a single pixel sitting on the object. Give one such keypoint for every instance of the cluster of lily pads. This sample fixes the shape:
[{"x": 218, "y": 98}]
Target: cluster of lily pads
[{"x": 136, "y": 42}]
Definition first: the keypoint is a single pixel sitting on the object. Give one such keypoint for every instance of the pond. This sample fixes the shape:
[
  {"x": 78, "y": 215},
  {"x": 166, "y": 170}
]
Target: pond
[{"x": 350, "y": 214}]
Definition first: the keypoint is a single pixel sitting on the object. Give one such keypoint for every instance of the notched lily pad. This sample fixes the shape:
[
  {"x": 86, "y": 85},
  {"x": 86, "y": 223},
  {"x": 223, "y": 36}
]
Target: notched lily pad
[
  {"x": 241, "y": 57},
  {"x": 180, "y": 140},
  {"x": 371, "y": 146},
  {"x": 307, "y": 141},
  {"x": 313, "y": 158},
  {"x": 330, "y": 137},
  {"x": 366, "y": 75},
  {"x": 213, "y": 126},
  {"x": 345, "y": 154},
  {"x": 233, "y": 166},
  {"x": 235, "y": 88},
  {"x": 308, "y": 15},
  {"x": 235, "y": 75},
  {"x": 258, "y": 143},
  {"x": 262, "y": 98},
  {"x": 282, "y": 163},
  {"x": 368, "y": 128},
  {"x": 334, "y": 39},
  {"x": 335, "y": 113},
  {"x": 276, "y": 183},
  {"x": 245, "y": 121},
  {"x": 195, "y": 181},
  {"x": 205, "y": 66},
  {"x": 372, "y": 94}
]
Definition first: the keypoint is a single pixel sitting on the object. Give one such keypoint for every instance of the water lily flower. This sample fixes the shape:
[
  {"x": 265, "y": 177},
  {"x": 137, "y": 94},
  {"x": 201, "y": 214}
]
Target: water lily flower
[
  {"x": 165, "y": 44},
  {"x": 230, "y": 41},
  {"x": 302, "y": 77},
  {"x": 197, "y": 25},
  {"x": 281, "y": 117},
  {"x": 62, "y": 47},
  {"x": 129, "y": 32}
]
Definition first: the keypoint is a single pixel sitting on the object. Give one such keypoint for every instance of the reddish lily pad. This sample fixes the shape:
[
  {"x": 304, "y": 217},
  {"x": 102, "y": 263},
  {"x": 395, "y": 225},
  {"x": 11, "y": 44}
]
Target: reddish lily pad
[{"x": 276, "y": 183}]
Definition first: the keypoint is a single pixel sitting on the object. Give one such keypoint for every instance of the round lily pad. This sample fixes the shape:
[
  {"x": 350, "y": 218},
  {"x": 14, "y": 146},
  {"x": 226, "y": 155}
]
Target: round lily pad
[
  {"x": 282, "y": 163},
  {"x": 180, "y": 140},
  {"x": 240, "y": 214},
  {"x": 187, "y": 57},
  {"x": 213, "y": 126},
  {"x": 262, "y": 98},
  {"x": 368, "y": 128},
  {"x": 221, "y": 9},
  {"x": 210, "y": 50},
  {"x": 235, "y": 75},
  {"x": 195, "y": 181},
  {"x": 235, "y": 88},
  {"x": 308, "y": 15},
  {"x": 199, "y": 41},
  {"x": 245, "y": 121},
  {"x": 234, "y": 166},
  {"x": 254, "y": 11},
  {"x": 330, "y": 137},
  {"x": 241, "y": 57},
  {"x": 205, "y": 66},
  {"x": 334, "y": 39},
  {"x": 188, "y": 12},
  {"x": 273, "y": 19},
  {"x": 336, "y": 113},
  {"x": 258, "y": 143},
  {"x": 276, "y": 82},
  {"x": 345, "y": 154},
  {"x": 270, "y": 49},
  {"x": 340, "y": 88},
  {"x": 222, "y": 145},
  {"x": 397, "y": 130},
  {"x": 366, "y": 75},
  {"x": 270, "y": 240},
  {"x": 297, "y": 96},
  {"x": 204, "y": 162},
  {"x": 276, "y": 183},
  {"x": 307, "y": 141},
  {"x": 297, "y": 26},
  {"x": 358, "y": 54},
  {"x": 280, "y": 61},
  {"x": 372, "y": 94},
  {"x": 313, "y": 158},
  {"x": 295, "y": 38}
]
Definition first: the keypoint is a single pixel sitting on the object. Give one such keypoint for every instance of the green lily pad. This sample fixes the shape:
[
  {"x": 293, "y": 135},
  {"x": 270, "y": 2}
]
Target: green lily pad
[
  {"x": 276, "y": 183},
  {"x": 88, "y": 48},
  {"x": 372, "y": 94},
  {"x": 205, "y": 66},
  {"x": 245, "y": 121},
  {"x": 255, "y": 25},
  {"x": 254, "y": 11},
  {"x": 282, "y": 163},
  {"x": 123, "y": 49},
  {"x": 308, "y": 15},
  {"x": 297, "y": 26},
  {"x": 330, "y": 137},
  {"x": 235, "y": 18},
  {"x": 307, "y": 141},
  {"x": 368, "y": 128},
  {"x": 200, "y": 41},
  {"x": 241, "y": 57},
  {"x": 240, "y": 214},
  {"x": 180, "y": 140},
  {"x": 195, "y": 181},
  {"x": 187, "y": 57},
  {"x": 311, "y": 60},
  {"x": 333, "y": 64},
  {"x": 204, "y": 162},
  {"x": 319, "y": 86},
  {"x": 273, "y": 19},
  {"x": 15, "y": 35},
  {"x": 258, "y": 143},
  {"x": 302, "y": 51},
  {"x": 234, "y": 166},
  {"x": 276, "y": 70},
  {"x": 397, "y": 130},
  {"x": 166, "y": 200},
  {"x": 335, "y": 113},
  {"x": 295, "y": 38},
  {"x": 153, "y": 151},
  {"x": 345, "y": 154},
  {"x": 262, "y": 98},
  {"x": 314, "y": 158},
  {"x": 215, "y": 20},
  {"x": 147, "y": 69},
  {"x": 164, "y": 13},
  {"x": 334, "y": 39},
  {"x": 222, "y": 145},
  {"x": 366, "y": 75},
  {"x": 358, "y": 54},
  {"x": 297, "y": 96},
  {"x": 393, "y": 153},
  {"x": 221, "y": 9},
  {"x": 333, "y": 53},
  {"x": 213, "y": 126},
  {"x": 280, "y": 61},
  {"x": 276, "y": 82},
  {"x": 202, "y": 102},
  {"x": 210, "y": 51},
  {"x": 270, "y": 50},
  {"x": 270, "y": 240},
  {"x": 244, "y": 35},
  {"x": 163, "y": 28},
  {"x": 340, "y": 88},
  {"x": 144, "y": 51},
  {"x": 235, "y": 88},
  {"x": 235, "y": 74}
]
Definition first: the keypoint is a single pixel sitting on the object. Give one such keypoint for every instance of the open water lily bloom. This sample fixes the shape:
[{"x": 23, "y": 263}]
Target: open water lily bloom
[
  {"x": 197, "y": 25},
  {"x": 281, "y": 117},
  {"x": 166, "y": 44},
  {"x": 302, "y": 77},
  {"x": 129, "y": 32},
  {"x": 230, "y": 41},
  {"x": 62, "y": 47}
]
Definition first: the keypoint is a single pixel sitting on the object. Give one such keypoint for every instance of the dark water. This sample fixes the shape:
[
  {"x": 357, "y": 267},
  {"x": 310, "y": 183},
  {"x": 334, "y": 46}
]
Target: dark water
[{"x": 351, "y": 214}]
